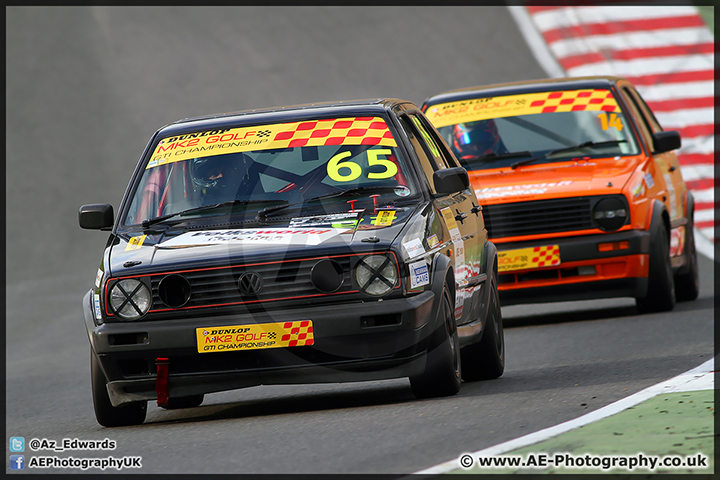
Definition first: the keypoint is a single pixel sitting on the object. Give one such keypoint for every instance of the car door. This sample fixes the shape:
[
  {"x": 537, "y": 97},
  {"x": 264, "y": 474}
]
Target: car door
[
  {"x": 462, "y": 215},
  {"x": 667, "y": 167}
]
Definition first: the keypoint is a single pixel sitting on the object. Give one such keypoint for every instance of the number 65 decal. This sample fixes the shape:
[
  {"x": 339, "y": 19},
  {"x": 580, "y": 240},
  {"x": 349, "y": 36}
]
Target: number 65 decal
[{"x": 354, "y": 170}]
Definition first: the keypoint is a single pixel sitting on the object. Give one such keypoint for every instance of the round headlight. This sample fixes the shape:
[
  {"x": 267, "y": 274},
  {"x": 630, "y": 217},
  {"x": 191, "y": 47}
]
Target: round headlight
[
  {"x": 376, "y": 275},
  {"x": 130, "y": 299},
  {"x": 609, "y": 214}
]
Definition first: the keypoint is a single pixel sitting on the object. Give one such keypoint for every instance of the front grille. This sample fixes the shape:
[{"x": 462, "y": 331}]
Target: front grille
[
  {"x": 286, "y": 283},
  {"x": 281, "y": 280},
  {"x": 538, "y": 217}
]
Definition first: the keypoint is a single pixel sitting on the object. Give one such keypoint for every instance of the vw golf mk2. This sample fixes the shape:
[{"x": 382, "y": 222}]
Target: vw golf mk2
[{"x": 321, "y": 243}]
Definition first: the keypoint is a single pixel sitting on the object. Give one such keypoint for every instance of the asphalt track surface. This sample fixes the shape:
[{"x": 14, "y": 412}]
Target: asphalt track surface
[{"x": 87, "y": 86}]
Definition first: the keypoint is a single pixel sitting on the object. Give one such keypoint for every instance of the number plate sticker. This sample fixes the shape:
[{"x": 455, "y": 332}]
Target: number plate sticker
[
  {"x": 254, "y": 337},
  {"x": 525, "y": 258}
]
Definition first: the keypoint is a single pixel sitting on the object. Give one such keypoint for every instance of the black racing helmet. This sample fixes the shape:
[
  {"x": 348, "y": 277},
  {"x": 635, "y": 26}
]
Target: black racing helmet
[{"x": 218, "y": 172}]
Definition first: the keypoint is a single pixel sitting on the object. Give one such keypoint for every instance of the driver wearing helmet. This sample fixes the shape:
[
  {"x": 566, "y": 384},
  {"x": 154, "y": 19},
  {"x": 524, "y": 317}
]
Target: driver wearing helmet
[
  {"x": 218, "y": 178},
  {"x": 477, "y": 139}
]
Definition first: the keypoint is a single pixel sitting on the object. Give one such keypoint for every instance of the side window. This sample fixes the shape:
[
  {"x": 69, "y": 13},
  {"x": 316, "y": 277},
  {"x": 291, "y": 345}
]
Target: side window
[
  {"x": 431, "y": 141},
  {"x": 654, "y": 124},
  {"x": 424, "y": 156},
  {"x": 645, "y": 128}
]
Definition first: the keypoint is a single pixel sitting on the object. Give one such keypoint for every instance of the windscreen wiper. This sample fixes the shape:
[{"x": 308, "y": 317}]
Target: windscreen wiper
[
  {"x": 491, "y": 157},
  {"x": 262, "y": 214},
  {"x": 587, "y": 144},
  {"x": 567, "y": 149},
  {"x": 147, "y": 223}
]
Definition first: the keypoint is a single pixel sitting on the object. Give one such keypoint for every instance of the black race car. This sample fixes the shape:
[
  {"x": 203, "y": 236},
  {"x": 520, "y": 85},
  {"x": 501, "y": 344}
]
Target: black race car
[{"x": 318, "y": 243}]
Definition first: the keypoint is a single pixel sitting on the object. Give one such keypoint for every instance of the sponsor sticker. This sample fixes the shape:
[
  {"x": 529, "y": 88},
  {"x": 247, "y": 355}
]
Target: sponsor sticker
[
  {"x": 472, "y": 110},
  {"x": 452, "y": 224},
  {"x": 254, "y": 337},
  {"x": 384, "y": 218},
  {"x": 459, "y": 303},
  {"x": 518, "y": 190},
  {"x": 284, "y": 236},
  {"x": 677, "y": 241},
  {"x": 449, "y": 218},
  {"x": 135, "y": 242},
  {"x": 96, "y": 304},
  {"x": 336, "y": 220},
  {"x": 649, "y": 181},
  {"x": 638, "y": 190},
  {"x": 418, "y": 275},
  {"x": 432, "y": 240},
  {"x": 332, "y": 131},
  {"x": 525, "y": 258},
  {"x": 414, "y": 248},
  {"x": 98, "y": 278},
  {"x": 460, "y": 271}
]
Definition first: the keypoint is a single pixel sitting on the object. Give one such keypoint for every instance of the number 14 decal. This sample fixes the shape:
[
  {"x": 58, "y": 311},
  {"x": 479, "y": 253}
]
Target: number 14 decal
[
  {"x": 355, "y": 170},
  {"x": 610, "y": 120}
]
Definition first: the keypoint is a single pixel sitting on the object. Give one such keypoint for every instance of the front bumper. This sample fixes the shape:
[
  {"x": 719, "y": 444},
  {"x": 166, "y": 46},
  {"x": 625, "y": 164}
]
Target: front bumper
[
  {"x": 352, "y": 342},
  {"x": 584, "y": 272}
]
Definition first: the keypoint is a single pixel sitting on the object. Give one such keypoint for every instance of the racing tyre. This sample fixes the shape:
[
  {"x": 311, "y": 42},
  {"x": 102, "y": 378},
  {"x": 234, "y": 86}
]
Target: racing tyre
[
  {"x": 442, "y": 371},
  {"x": 190, "y": 401},
  {"x": 106, "y": 414},
  {"x": 486, "y": 359},
  {"x": 660, "y": 296},
  {"x": 687, "y": 284}
]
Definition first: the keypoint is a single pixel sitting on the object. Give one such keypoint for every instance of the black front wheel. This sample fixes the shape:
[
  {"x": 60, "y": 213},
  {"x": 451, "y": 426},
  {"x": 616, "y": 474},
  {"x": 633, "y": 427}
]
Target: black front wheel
[
  {"x": 442, "y": 371},
  {"x": 106, "y": 414},
  {"x": 486, "y": 359},
  {"x": 660, "y": 295}
]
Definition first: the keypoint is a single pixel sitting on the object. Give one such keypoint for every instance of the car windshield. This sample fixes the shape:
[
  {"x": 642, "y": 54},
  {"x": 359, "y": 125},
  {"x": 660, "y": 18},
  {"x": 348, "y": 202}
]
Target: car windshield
[
  {"x": 319, "y": 166},
  {"x": 513, "y": 131}
]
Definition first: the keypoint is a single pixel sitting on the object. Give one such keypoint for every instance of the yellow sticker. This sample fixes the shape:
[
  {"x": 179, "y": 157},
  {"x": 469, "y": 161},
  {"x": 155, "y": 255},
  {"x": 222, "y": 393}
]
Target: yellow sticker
[
  {"x": 135, "y": 242},
  {"x": 525, "y": 258},
  {"x": 384, "y": 218},
  {"x": 526, "y": 104},
  {"x": 449, "y": 218},
  {"x": 254, "y": 337},
  {"x": 333, "y": 131},
  {"x": 608, "y": 120}
]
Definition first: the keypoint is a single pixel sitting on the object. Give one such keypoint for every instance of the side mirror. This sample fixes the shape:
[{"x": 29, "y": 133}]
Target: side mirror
[
  {"x": 666, "y": 141},
  {"x": 451, "y": 180},
  {"x": 96, "y": 216}
]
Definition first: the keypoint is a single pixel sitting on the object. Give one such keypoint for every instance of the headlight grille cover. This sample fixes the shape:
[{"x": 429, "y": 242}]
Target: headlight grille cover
[
  {"x": 130, "y": 299},
  {"x": 376, "y": 275}
]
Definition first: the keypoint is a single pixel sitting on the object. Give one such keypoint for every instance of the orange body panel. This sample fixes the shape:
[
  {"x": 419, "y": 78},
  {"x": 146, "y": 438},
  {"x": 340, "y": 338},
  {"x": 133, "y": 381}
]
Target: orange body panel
[{"x": 527, "y": 197}]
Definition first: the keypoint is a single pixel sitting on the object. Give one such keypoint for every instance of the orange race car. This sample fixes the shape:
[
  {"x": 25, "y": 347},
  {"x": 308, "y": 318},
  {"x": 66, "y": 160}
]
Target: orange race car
[{"x": 580, "y": 187}]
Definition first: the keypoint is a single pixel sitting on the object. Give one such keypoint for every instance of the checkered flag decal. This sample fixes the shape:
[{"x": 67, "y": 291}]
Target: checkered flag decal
[
  {"x": 546, "y": 256},
  {"x": 301, "y": 333}
]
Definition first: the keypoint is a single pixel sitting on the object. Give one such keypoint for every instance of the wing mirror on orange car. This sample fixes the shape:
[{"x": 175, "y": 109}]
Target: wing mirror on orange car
[{"x": 666, "y": 141}]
